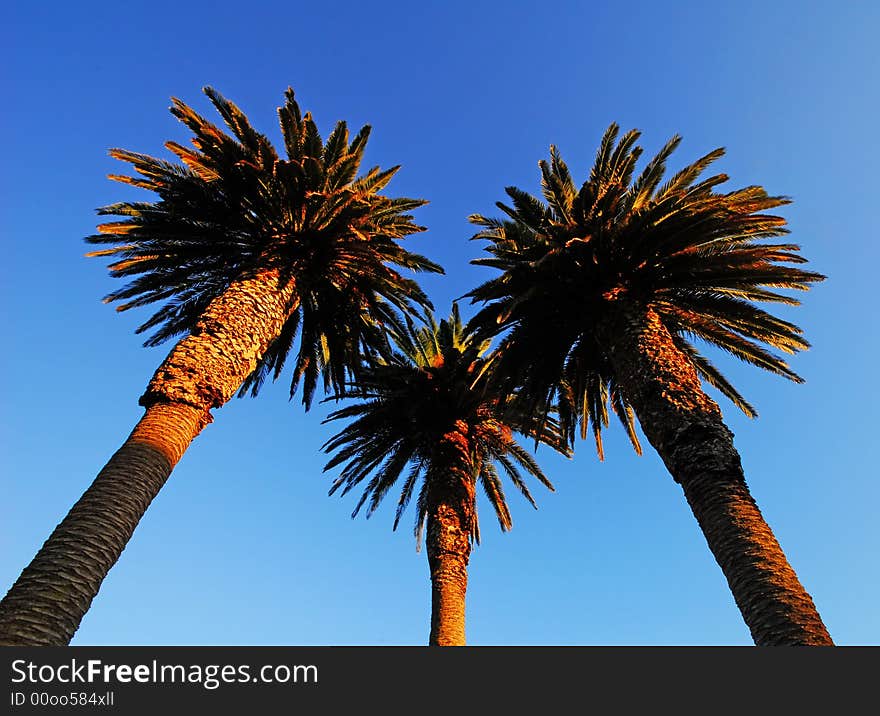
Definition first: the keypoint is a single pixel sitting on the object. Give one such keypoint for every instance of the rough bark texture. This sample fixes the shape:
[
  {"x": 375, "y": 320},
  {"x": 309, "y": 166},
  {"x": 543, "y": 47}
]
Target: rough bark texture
[
  {"x": 209, "y": 365},
  {"x": 450, "y": 524},
  {"x": 448, "y": 546},
  {"x": 53, "y": 593},
  {"x": 685, "y": 426}
]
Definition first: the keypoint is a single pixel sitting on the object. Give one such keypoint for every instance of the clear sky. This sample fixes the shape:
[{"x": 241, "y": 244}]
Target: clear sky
[{"x": 243, "y": 546}]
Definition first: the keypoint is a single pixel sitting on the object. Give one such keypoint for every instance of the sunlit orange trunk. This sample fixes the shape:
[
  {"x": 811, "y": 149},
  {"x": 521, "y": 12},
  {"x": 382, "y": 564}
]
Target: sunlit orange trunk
[
  {"x": 448, "y": 546},
  {"x": 203, "y": 371},
  {"x": 686, "y": 428}
]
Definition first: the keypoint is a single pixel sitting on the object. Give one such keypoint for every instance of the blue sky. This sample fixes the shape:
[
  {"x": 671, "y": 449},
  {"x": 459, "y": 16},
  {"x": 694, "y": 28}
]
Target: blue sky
[{"x": 243, "y": 546}]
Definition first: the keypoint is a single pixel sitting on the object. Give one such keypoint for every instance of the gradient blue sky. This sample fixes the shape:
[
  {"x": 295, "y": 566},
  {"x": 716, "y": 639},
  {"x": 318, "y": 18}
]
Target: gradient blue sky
[{"x": 243, "y": 546}]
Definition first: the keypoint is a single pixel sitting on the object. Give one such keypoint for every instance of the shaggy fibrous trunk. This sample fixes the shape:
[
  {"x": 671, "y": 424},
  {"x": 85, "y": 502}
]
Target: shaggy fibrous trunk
[{"x": 448, "y": 547}]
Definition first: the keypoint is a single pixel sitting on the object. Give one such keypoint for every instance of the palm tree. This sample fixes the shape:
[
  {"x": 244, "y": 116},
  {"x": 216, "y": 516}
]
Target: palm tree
[
  {"x": 248, "y": 252},
  {"x": 433, "y": 405},
  {"x": 612, "y": 282}
]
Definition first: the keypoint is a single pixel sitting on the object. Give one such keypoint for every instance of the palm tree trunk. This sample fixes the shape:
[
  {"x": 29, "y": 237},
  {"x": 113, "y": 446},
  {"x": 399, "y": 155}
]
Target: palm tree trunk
[
  {"x": 685, "y": 426},
  {"x": 448, "y": 546},
  {"x": 48, "y": 601}
]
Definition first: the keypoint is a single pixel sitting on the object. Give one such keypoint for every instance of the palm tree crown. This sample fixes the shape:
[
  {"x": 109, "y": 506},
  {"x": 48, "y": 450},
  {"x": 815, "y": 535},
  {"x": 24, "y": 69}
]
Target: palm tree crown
[
  {"x": 690, "y": 254},
  {"x": 234, "y": 208},
  {"x": 434, "y": 405}
]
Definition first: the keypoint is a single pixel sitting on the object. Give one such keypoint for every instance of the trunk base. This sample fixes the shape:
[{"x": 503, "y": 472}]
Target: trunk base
[{"x": 48, "y": 601}]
